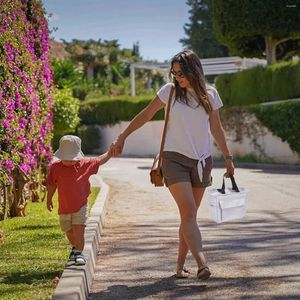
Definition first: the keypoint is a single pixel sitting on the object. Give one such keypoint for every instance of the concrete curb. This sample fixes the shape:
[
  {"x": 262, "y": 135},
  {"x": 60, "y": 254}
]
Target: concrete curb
[{"x": 75, "y": 282}]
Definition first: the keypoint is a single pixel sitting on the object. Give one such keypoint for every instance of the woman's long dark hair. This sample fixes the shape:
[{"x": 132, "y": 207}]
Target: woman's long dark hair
[{"x": 192, "y": 69}]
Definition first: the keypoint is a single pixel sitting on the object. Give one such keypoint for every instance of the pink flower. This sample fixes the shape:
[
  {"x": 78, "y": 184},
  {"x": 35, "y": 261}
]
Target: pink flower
[
  {"x": 23, "y": 123},
  {"x": 25, "y": 168},
  {"x": 26, "y": 125},
  {"x": 5, "y": 124},
  {"x": 9, "y": 116},
  {"x": 9, "y": 165}
]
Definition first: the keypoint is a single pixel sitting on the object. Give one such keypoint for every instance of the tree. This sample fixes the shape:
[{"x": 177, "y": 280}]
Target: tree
[
  {"x": 238, "y": 22},
  {"x": 200, "y": 35},
  {"x": 136, "y": 49}
]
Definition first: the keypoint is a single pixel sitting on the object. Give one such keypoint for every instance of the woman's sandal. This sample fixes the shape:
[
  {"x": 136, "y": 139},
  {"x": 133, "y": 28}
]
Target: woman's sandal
[
  {"x": 203, "y": 273},
  {"x": 182, "y": 273}
]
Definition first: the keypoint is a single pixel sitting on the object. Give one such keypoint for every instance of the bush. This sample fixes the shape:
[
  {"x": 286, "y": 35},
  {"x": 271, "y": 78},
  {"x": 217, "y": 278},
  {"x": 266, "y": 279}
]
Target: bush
[
  {"x": 65, "y": 110},
  {"x": 282, "y": 119},
  {"x": 25, "y": 103},
  {"x": 82, "y": 89},
  {"x": 108, "y": 112},
  {"x": 91, "y": 138},
  {"x": 127, "y": 98},
  {"x": 256, "y": 85},
  {"x": 66, "y": 74}
]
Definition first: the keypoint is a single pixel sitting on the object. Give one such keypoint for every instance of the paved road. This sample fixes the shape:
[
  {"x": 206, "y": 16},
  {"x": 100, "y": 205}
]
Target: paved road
[{"x": 257, "y": 257}]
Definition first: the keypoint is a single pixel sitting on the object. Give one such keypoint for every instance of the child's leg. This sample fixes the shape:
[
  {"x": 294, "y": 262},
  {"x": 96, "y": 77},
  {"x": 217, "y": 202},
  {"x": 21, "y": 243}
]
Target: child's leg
[
  {"x": 78, "y": 236},
  {"x": 78, "y": 226},
  {"x": 70, "y": 237},
  {"x": 66, "y": 226}
]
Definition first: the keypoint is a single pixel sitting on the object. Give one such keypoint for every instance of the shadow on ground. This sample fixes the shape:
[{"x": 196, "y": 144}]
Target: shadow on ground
[{"x": 257, "y": 257}]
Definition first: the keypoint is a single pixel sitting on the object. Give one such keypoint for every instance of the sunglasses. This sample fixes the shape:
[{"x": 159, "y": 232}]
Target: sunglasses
[{"x": 177, "y": 74}]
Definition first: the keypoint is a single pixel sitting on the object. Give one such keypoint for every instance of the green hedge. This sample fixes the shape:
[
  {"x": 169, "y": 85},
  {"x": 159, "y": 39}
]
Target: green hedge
[
  {"x": 282, "y": 119},
  {"x": 111, "y": 112},
  {"x": 91, "y": 138},
  {"x": 256, "y": 85},
  {"x": 121, "y": 98}
]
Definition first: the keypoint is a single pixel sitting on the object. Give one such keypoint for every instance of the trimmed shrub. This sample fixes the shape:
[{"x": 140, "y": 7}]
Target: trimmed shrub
[
  {"x": 282, "y": 119},
  {"x": 256, "y": 85},
  {"x": 91, "y": 138},
  {"x": 111, "y": 112}
]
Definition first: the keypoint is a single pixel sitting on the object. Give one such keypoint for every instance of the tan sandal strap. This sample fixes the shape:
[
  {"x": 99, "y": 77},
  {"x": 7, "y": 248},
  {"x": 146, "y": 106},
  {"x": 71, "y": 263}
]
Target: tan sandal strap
[{"x": 202, "y": 268}]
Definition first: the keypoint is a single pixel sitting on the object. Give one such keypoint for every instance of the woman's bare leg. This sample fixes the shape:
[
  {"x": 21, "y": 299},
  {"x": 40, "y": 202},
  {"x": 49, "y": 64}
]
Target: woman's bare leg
[
  {"x": 182, "y": 192},
  {"x": 183, "y": 247}
]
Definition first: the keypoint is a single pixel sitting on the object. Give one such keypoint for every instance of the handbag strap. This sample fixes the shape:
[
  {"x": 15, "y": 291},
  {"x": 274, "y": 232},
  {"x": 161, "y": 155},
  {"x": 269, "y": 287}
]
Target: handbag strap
[
  {"x": 163, "y": 138},
  {"x": 234, "y": 185}
]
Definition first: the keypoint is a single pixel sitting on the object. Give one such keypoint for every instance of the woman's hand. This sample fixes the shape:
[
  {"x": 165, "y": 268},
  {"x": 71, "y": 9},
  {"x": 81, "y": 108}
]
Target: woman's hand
[
  {"x": 229, "y": 167},
  {"x": 117, "y": 146}
]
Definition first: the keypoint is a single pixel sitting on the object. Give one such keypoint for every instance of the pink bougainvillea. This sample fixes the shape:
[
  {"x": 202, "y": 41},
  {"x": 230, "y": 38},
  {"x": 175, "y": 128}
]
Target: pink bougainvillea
[{"x": 25, "y": 88}]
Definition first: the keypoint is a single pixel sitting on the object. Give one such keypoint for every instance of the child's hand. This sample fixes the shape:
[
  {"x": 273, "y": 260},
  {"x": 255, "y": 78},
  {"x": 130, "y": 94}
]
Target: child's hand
[
  {"x": 49, "y": 205},
  {"x": 117, "y": 146}
]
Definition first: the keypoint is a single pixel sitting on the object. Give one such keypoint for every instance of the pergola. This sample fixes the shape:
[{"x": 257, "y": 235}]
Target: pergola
[{"x": 211, "y": 66}]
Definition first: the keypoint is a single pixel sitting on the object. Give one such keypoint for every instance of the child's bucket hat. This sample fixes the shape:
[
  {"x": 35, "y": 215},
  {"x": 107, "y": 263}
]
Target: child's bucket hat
[{"x": 69, "y": 148}]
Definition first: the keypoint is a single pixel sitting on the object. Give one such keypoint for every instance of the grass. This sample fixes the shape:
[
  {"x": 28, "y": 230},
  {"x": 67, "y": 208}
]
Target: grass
[{"x": 34, "y": 251}]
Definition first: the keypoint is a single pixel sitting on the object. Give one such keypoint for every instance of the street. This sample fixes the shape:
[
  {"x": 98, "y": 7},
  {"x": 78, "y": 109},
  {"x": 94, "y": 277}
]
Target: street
[{"x": 257, "y": 257}]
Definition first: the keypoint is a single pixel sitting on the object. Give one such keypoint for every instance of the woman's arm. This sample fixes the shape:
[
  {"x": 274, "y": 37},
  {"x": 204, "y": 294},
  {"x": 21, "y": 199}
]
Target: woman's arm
[
  {"x": 217, "y": 132},
  {"x": 138, "y": 121}
]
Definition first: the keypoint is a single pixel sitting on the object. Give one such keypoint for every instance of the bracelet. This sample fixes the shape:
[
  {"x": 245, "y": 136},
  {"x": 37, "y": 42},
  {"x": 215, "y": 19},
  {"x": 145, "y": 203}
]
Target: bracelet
[{"x": 229, "y": 157}]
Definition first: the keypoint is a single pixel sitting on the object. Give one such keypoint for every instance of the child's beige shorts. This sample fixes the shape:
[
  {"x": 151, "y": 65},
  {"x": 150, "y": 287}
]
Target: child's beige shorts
[
  {"x": 177, "y": 167},
  {"x": 80, "y": 217}
]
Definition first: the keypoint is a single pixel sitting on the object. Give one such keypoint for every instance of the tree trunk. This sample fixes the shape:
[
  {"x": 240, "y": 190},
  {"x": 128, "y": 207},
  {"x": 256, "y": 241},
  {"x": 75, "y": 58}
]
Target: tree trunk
[
  {"x": 270, "y": 44},
  {"x": 18, "y": 202},
  {"x": 3, "y": 202}
]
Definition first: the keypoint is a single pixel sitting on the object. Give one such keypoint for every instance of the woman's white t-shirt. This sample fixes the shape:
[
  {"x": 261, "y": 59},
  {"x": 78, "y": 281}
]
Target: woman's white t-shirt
[{"x": 188, "y": 126}]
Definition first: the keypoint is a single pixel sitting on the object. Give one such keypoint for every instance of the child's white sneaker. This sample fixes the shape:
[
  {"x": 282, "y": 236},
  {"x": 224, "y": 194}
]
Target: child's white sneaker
[
  {"x": 79, "y": 258},
  {"x": 72, "y": 254}
]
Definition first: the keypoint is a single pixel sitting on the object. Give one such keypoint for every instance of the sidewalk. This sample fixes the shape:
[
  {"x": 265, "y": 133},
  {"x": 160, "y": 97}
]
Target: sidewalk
[{"x": 254, "y": 258}]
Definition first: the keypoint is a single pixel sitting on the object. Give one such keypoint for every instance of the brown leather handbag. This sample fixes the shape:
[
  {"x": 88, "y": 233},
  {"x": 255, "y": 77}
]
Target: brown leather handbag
[{"x": 156, "y": 176}]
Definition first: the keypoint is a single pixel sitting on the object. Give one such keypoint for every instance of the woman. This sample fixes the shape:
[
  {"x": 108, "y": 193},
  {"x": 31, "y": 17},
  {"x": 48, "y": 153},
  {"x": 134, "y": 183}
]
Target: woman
[{"x": 187, "y": 160}]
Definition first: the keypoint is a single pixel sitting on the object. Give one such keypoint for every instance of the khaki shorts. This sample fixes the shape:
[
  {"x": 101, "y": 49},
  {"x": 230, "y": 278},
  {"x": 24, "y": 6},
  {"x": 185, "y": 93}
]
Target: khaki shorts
[
  {"x": 177, "y": 167},
  {"x": 79, "y": 218}
]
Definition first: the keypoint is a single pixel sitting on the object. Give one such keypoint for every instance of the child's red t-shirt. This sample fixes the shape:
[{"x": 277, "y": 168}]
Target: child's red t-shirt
[{"x": 72, "y": 183}]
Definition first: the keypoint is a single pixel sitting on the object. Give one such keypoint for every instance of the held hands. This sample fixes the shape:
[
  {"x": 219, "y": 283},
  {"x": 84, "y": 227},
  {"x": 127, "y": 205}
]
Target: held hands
[{"x": 117, "y": 146}]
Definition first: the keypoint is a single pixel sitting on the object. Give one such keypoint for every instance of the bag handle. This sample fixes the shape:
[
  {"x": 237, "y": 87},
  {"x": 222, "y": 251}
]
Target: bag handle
[
  {"x": 234, "y": 185},
  {"x": 163, "y": 138}
]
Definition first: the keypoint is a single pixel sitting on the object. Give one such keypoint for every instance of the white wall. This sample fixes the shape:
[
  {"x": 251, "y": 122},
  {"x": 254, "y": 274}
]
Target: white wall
[
  {"x": 146, "y": 142},
  {"x": 143, "y": 142}
]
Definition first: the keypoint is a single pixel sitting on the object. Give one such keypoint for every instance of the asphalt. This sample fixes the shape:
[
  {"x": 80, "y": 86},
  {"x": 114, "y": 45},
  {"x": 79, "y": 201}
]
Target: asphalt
[{"x": 257, "y": 257}]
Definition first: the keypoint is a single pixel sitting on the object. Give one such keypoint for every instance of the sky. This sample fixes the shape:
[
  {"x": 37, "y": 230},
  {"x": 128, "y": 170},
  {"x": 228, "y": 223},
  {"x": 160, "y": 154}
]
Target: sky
[{"x": 156, "y": 24}]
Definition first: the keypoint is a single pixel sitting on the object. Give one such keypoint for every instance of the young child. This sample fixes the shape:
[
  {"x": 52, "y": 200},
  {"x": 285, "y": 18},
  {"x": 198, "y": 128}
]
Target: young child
[{"x": 70, "y": 176}]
